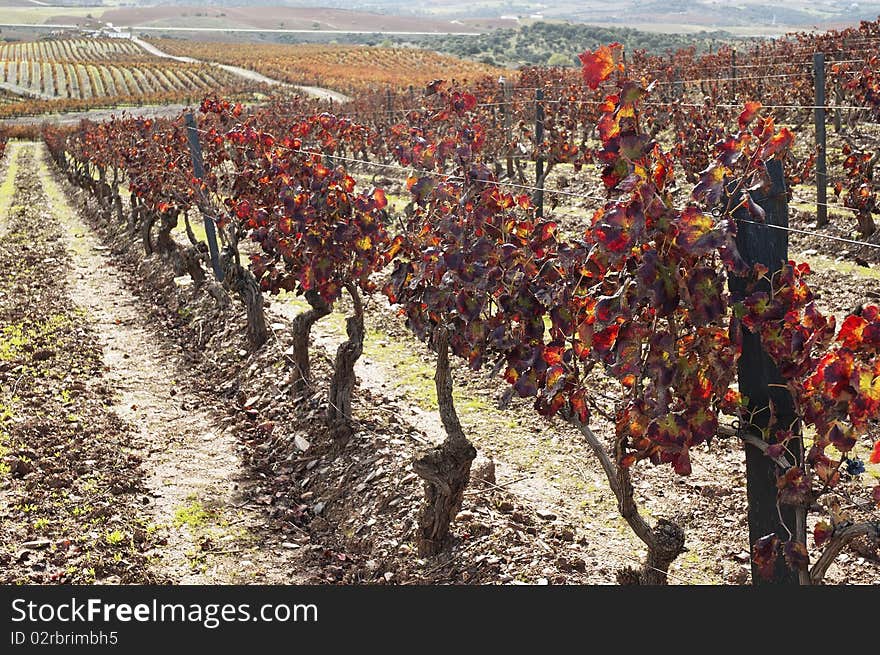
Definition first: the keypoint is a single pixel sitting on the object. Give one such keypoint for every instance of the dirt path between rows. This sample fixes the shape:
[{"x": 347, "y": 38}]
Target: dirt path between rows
[{"x": 193, "y": 472}]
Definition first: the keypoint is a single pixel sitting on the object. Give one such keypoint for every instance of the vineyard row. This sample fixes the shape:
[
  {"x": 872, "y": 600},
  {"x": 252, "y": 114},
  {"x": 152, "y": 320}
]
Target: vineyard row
[{"x": 639, "y": 297}]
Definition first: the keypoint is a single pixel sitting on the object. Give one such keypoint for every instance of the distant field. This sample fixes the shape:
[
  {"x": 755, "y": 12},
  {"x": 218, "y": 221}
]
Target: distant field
[
  {"x": 348, "y": 69},
  {"x": 276, "y": 18},
  {"x": 35, "y": 14},
  {"x": 231, "y": 17},
  {"x": 79, "y": 73}
]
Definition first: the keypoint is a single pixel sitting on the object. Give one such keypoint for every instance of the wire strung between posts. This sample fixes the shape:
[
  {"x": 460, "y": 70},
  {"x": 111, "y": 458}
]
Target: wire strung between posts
[
  {"x": 563, "y": 101},
  {"x": 446, "y": 176},
  {"x": 569, "y": 193},
  {"x": 781, "y": 62},
  {"x": 736, "y": 79},
  {"x": 815, "y": 234},
  {"x": 733, "y": 105}
]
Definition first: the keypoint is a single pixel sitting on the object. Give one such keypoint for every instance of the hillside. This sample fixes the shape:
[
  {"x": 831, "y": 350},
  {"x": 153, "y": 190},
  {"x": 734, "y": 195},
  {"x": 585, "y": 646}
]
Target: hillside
[{"x": 544, "y": 43}]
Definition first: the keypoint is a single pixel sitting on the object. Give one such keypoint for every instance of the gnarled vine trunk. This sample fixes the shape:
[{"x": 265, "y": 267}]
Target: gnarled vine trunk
[
  {"x": 165, "y": 244},
  {"x": 342, "y": 383},
  {"x": 134, "y": 216},
  {"x": 866, "y": 223},
  {"x": 665, "y": 541},
  {"x": 302, "y": 327},
  {"x": 117, "y": 205},
  {"x": 148, "y": 218},
  {"x": 240, "y": 280},
  {"x": 183, "y": 260},
  {"x": 445, "y": 468}
]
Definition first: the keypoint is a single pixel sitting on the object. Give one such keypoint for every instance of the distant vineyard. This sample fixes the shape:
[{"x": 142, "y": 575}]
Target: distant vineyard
[
  {"x": 73, "y": 50},
  {"x": 94, "y": 72},
  {"x": 349, "y": 69}
]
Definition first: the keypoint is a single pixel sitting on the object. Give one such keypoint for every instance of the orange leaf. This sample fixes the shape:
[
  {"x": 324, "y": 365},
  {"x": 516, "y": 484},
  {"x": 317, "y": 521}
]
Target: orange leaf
[
  {"x": 597, "y": 66},
  {"x": 778, "y": 143},
  {"x": 875, "y": 454},
  {"x": 380, "y": 199},
  {"x": 748, "y": 114}
]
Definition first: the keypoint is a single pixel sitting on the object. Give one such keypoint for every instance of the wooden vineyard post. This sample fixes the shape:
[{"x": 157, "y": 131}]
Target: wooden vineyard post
[
  {"x": 838, "y": 100},
  {"x": 539, "y": 159},
  {"x": 389, "y": 103},
  {"x": 759, "y": 83},
  {"x": 195, "y": 149},
  {"x": 761, "y": 383},
  {"x": 819, "y": 117},
  {"x": 505, "y": 116},
  {"x": 733, "y": 75}
]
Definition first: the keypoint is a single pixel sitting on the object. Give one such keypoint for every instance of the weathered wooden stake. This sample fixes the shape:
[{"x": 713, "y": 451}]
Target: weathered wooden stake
[
  {"x": 195, "y": 150},
  {"x": 505, "y": 115},
  {"x": 838, "y": 100},
  {"x": 539, "y": 161},
  {"x": 821, "y": 145},
  {"x": 760, "y": 381},
  {"x": 733, "y": 74}
]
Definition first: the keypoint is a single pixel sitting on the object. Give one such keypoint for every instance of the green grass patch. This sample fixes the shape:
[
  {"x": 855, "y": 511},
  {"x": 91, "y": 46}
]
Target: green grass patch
[
  {"x": 822, "y": 263},
  {"x": 198, "y": 228},
  {"x": 17, "y": 336},
  {"x": 7, "y": 189},
  {"x": 14, "y": 340},
  {"x": 194, "y": 515},
  {"x": 810, "y": 207},
  {"x": 336, "y": 319}
]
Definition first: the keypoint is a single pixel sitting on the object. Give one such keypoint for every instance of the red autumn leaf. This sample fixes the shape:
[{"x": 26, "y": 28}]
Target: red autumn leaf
[
  {"x": 286, "y": 224},
  {"x": 851, "y": 331},
  {"x": 748, "y": 114},
  {"x": 709, "y": 187},
  {"x": 827, "y": 470},
  {"x": 866, "y": 403},
  {"x": 527, "y": 384},
  {"x": 764, "y": 554},
  {"x": 875, "y": 454},
  {"x": 793, "y": 486},
  {"x": 822, "y": 532},
  {"x": 796, "y": 555},
  {"x": 380, "y": 199},
  {"x": 579, "y": 405},
  {"x": 604, "y": 339},
  {"x": 597, "y": 66},
  {"x": 731, "y": 403},
  {"x": 692, "y": 225},
  {"x": 553, "y": 355},
  {"x": 841, "y": 437},
  {"x": 777, "y": 144},
  {"x": 554, "y": 377},
  {"x": 608, "y": 127}
]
